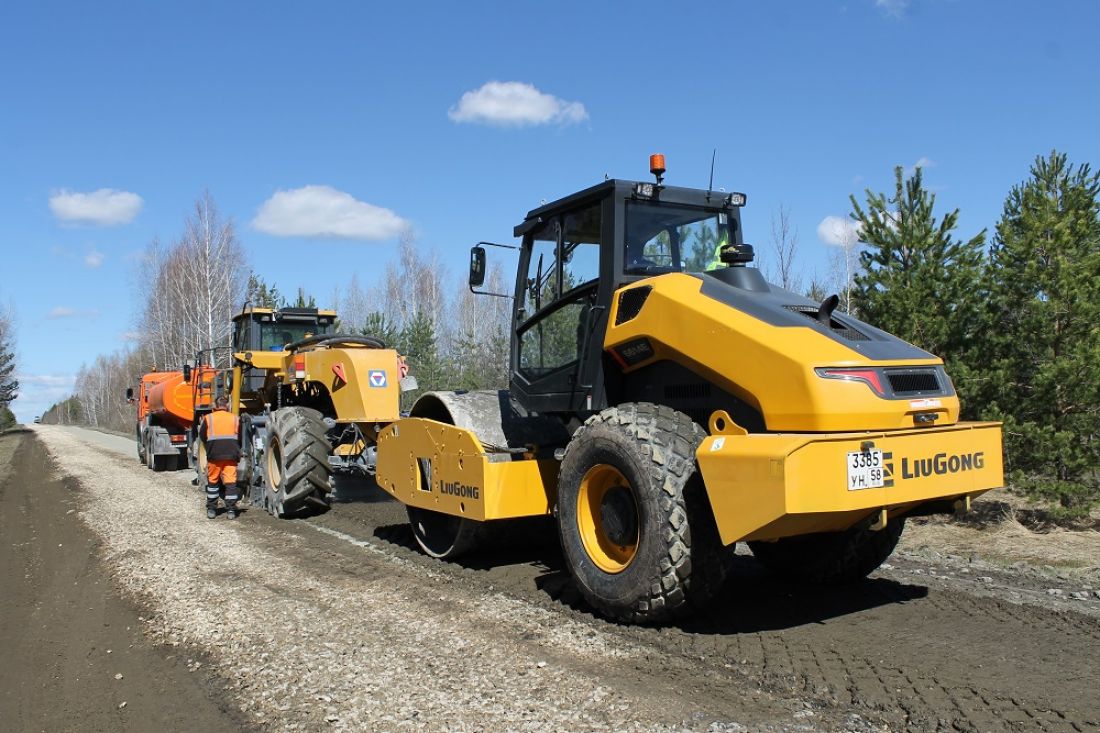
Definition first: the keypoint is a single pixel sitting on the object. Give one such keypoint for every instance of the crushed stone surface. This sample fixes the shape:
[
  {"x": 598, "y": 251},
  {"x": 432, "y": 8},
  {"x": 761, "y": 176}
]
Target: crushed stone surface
[{"x": 302, "y": 644}]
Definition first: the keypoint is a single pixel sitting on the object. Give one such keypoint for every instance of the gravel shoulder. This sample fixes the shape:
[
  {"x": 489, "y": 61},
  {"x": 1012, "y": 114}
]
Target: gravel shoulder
[
  {"x": 338, "y": 623},
  {"x": 308, "y": 631},
  {"x": 75, "y": 655}
]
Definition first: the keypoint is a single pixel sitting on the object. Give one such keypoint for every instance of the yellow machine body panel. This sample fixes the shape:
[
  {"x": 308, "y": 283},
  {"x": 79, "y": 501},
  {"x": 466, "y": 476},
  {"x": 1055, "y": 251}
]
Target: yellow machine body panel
[
  {"x": 270, "y": 361},
  {"x": 433, "y": 465},
  {"x": 770, "y": 367},
  {"x": 768, "y": 486},
  {"x": 364, "y": 384}
]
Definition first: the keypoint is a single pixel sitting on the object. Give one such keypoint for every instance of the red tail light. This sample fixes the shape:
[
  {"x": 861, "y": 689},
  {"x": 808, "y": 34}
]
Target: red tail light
[
  {"x": 870, "y": 377},
  {"x": 299, "y": 367}
]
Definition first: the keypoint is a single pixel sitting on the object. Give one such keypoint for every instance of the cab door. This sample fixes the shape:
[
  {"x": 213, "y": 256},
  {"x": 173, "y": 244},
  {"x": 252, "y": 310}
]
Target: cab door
[{"x": 561, "y": 309}]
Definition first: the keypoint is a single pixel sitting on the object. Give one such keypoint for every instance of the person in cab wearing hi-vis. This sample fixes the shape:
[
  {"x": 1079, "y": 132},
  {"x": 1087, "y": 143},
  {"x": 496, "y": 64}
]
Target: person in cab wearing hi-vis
[{"x": 220, "y": 432}]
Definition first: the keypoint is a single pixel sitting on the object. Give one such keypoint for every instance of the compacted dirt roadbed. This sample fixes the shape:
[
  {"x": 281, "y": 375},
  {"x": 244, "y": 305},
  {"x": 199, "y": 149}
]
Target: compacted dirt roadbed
[
  {"x": 65, "y": 635},
  {"x": 334, "y": 622}
]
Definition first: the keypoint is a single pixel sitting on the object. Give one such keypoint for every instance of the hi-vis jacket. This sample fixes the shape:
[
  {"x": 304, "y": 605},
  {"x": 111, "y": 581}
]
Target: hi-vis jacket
[{"x": 220, "y": 430}]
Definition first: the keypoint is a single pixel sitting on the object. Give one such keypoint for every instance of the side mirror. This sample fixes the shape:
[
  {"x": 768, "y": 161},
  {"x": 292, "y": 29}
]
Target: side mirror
[
  {"x": 187, "y": 373},
  {"x": 130, "y": 394},
  {"x": 477, "y": 266}
]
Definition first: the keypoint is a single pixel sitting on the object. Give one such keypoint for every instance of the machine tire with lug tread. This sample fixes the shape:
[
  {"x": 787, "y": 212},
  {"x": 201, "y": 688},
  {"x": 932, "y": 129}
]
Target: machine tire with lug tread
[
  {"x": 635, "y": 523},
  {"x": 296, "y": 466},
  {"x": 829, "y": 558}
]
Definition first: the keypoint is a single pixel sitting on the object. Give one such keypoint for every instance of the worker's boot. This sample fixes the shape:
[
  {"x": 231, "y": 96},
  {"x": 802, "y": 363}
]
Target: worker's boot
[
  {"x": 211, "y": 502},
  {"x": 231, "y": 499}
]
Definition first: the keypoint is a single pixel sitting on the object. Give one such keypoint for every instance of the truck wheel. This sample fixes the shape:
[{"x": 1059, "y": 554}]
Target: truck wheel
[
  {"x": 635, "y": 524},
  {"x": 829, "y": 558},
  {"x": 296, "y": 465},
  {"x": 200, "y": 462},
  {"x": 443, "y": 536},
  {"x": 140, "y": 446}
]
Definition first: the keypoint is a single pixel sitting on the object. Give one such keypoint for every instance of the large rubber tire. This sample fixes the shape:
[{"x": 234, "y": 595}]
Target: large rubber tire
[
  {"x": 442, "y": 535},
  {"x": 670, "y": 559},
  {"x": 200, "y": 462},
  {"x": 830, "y": 558},
  {"x": 296, "y": 468},
  {"x": 140, "y": 445}
]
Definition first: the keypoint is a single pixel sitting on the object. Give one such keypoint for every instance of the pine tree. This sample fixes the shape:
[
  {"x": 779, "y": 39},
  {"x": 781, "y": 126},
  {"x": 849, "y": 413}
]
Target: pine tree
[
  {"x": 376, "y": 324},
  {"x": 260, "y": 295},
  {"x": 917, "y": 281},
  {"x": 304, "y": 300},
  {"x": 1042, "y": 339},
  {"x": 9, "y": 385},
  {"x": 418, "y": 343}
]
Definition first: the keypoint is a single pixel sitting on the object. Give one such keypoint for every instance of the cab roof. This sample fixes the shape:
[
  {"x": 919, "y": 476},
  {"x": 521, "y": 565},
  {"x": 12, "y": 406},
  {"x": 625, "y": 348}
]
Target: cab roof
[{"x": 622, "y": 188}]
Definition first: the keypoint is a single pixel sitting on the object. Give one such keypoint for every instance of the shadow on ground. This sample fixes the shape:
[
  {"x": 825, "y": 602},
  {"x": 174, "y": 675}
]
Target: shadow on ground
[{"x": 751, "y": 601}]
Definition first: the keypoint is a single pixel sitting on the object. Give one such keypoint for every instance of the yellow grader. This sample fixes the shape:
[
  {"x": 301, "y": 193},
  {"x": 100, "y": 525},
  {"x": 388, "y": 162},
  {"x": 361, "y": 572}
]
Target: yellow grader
[{"x": 665, "y": 403}]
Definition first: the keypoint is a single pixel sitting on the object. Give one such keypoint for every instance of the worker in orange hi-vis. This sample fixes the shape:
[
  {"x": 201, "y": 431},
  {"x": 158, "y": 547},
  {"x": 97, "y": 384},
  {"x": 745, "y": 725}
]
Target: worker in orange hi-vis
[{"x": 220, "y": 432}]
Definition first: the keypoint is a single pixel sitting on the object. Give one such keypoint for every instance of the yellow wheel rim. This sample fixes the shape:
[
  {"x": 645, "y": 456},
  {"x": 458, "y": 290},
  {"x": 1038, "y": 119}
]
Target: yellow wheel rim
[{"x": 607, "y": 517}]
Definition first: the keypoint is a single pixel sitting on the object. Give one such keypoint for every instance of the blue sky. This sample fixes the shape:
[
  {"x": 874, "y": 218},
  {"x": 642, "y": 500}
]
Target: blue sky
[{"x": 357, "y": 114}]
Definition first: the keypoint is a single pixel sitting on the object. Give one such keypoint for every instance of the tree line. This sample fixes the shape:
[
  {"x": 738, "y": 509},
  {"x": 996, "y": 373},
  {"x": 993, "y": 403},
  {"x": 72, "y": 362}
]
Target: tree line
[
  {"x": 187, "y": 291},
  {"x": 1016, "y": 321},
  {"x": 1013, "y": 313}
]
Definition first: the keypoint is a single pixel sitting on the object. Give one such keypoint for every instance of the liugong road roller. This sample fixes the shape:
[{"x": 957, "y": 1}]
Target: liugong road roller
[{"x": 665, "y": 403}]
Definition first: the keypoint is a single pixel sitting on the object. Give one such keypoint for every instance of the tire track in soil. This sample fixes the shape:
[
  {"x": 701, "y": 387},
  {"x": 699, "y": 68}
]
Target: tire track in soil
[{"x": 916, "y": 657}]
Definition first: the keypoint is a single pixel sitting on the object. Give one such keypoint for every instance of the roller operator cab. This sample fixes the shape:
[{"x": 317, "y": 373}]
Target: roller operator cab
[{"x": 666, "y": 402}]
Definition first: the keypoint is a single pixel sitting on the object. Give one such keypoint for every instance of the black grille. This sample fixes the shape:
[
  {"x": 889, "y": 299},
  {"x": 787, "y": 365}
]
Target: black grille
[
  {"x": 913, "y": 382},
  {"x": 630, "y": 303},
  {"x": 699, "y": 391},
  {"x": 840, "y": 329}
]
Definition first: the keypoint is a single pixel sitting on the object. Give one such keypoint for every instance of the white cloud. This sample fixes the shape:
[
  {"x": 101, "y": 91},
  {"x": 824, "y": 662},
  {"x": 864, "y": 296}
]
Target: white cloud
[
  {"x": 515, "y": 104},
  {"x": 922, "y": 162},
  {"x": 838, "y": 231},
  {"x": 45, "y": 380},
  {"x": 893, "y": 8},
  {"x": 93, "y": 259},
  {"x": 62, "y": 311},
  {"x": 37, "y": 392},
  {"x": 105, "y": 207},
  {"x": 130, "y": 336},
  {"x": 323, "y": 211}
]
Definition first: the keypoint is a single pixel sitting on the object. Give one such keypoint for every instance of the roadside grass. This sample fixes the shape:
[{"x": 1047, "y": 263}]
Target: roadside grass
[{"x": 1004, "y": 528}]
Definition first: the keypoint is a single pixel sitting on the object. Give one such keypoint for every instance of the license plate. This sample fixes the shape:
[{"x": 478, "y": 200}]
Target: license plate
[{"x": 865, "y": 470}]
